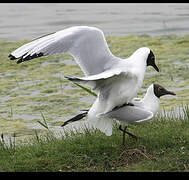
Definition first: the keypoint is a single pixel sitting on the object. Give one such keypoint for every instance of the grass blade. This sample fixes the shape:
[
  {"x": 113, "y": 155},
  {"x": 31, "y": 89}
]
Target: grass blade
[
  {"x": 86, "y": 89},
  {"x": 45, "y": 123}
]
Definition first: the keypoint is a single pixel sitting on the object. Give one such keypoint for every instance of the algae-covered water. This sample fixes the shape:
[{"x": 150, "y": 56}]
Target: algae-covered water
[{"x": 36, "y": 89}]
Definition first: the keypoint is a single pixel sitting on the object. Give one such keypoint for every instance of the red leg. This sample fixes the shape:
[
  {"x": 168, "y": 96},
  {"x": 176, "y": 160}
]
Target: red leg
[
  {"x": 124, "y": 133},
  {"x": 132, "y": 135}
]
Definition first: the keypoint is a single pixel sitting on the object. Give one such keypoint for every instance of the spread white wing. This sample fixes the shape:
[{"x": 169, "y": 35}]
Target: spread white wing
[
  {"x": 131, "y": 114},
  {"x": 86, "y": 44}
]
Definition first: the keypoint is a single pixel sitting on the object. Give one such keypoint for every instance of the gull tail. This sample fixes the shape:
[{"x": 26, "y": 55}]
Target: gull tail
[
  {"x": 104, "y": 124},
  {"x": 75, "y": 118}
]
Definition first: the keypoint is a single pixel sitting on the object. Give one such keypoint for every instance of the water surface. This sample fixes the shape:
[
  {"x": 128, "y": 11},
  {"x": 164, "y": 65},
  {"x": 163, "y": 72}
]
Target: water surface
[{"x": 20, "y": 21}]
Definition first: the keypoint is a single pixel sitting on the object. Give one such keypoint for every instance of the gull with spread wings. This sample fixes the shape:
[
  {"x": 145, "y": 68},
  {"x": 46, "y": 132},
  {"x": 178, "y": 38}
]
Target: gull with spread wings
[{"x": 117, "y": 81}]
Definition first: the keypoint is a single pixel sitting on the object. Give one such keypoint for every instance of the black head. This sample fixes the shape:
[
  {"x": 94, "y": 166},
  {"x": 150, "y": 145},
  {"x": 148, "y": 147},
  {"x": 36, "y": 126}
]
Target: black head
[
  {"x": 151, "y": 61},
  {"x": 161, "y": 91}
]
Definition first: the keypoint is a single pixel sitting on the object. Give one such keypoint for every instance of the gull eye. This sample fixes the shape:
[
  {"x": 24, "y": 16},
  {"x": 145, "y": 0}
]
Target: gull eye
[{"x": 160, "y": 88}]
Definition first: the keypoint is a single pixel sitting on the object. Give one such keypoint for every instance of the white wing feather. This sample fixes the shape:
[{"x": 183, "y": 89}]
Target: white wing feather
[{"x": 86, "y": 44}]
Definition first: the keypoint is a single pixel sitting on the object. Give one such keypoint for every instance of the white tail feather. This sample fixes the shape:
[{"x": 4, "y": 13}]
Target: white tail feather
[{"x": 103, "y": 124}]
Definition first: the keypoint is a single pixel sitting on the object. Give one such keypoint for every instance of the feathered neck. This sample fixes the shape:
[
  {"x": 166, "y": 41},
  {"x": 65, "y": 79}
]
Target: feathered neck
[
  {"x": 150, "y": 93},
  {"x": 139, "y": 57},
  {"x": 150, "y": 100}
]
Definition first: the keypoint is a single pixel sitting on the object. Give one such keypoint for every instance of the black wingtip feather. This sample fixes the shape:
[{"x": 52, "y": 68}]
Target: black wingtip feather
[
  {"x": 71, "y": 78},
  {"x": 11, "y": 57},
  {"x": 27, "y": 58},
  {"x": 75, "y": 118},
  {"x": 68, "y": 77},
  {"x": 19, "y": 61}
]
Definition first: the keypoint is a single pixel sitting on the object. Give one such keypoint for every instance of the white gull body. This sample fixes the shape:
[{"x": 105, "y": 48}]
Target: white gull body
[
  {"x": 116, "y": 80},
  {"x": 143, "y": 110},
  {"x": 119, "y": 83}
]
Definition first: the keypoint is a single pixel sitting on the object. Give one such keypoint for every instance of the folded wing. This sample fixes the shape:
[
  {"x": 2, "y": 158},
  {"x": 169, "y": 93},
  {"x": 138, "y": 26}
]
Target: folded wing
[{"x": 131, "y": 114}]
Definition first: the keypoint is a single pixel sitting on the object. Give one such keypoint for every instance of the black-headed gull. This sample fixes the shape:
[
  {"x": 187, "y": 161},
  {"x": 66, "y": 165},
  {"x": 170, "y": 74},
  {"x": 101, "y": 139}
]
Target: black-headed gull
[
  {"x": 116, "y": 80},
  {"x": 142, "y": 110}
]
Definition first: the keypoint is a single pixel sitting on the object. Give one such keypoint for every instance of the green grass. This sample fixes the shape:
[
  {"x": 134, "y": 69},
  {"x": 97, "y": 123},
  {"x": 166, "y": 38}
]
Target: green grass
[
  {"x": 162, "y": 146},
  {"x": 34, "y": 92}
]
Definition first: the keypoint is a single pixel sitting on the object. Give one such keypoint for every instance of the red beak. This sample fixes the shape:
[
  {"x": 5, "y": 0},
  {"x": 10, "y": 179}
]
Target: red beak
[{"x": 171, "y": 93}]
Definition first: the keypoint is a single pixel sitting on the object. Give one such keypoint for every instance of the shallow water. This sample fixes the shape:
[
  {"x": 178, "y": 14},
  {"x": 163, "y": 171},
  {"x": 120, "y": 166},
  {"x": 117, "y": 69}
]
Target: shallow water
[{"x": 20, "y": 21}]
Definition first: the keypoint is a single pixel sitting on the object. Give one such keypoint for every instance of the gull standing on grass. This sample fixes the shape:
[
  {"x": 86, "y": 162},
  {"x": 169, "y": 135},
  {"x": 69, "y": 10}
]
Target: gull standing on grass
[
  {"x": 143, "y": 110},
  {"x": 117, "y": 81}
]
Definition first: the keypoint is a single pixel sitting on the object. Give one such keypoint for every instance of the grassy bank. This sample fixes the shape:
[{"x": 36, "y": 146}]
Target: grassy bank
[
  {"x": 36, "y": 88},
  {"x": 163, "y": 146}
]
